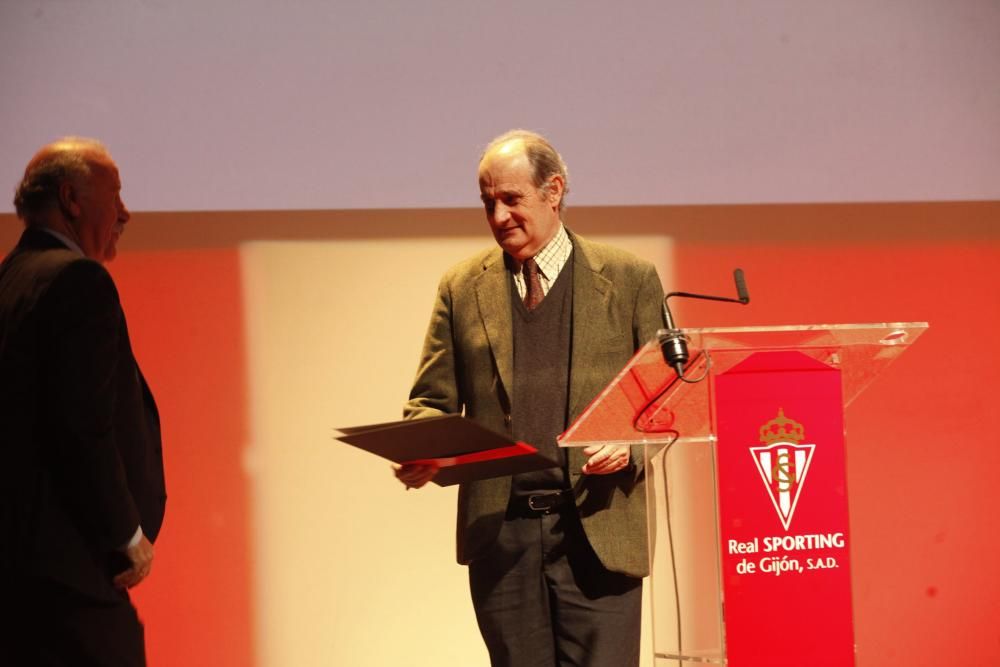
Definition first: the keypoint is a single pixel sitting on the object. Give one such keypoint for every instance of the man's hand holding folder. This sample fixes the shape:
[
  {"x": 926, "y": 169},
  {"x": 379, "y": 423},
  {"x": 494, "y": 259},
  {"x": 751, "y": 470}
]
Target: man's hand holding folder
[{"x": 415, "y": 475}]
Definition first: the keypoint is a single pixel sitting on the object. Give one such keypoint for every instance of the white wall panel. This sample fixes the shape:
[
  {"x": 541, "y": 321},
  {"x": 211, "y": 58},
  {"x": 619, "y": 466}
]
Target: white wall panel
[{"x": 349, "y": 568}]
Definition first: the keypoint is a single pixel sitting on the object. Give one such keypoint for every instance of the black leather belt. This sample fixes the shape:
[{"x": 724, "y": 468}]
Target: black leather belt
[{"x": 539, "y": 504}]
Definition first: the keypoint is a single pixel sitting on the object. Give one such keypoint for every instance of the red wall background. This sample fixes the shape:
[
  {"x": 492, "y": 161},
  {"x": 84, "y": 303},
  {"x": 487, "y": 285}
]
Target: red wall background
[{"x": 922, "y": 439}]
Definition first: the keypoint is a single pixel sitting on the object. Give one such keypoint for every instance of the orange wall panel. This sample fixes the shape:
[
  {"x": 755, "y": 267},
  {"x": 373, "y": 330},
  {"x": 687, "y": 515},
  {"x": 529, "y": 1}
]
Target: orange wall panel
[{"x": 185, "y": 320}]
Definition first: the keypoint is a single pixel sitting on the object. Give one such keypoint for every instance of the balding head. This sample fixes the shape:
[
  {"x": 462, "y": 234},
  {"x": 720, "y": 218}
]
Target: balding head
[
  {"x": 72, "y": 186},
  {"x": 544, "y": 159},
  {"x": 66, "y": 160}
]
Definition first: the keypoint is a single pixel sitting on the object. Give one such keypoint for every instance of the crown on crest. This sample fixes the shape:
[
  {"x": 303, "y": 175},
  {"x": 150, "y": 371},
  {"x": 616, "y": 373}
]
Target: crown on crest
[{"x": 783, "y": 429}]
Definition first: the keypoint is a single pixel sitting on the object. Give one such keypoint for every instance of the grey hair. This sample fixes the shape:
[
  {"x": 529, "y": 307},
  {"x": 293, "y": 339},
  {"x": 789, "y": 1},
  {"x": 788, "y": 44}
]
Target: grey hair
[
  {"x": 63, "y": 160},
  {"x": 545, "y": 160}
]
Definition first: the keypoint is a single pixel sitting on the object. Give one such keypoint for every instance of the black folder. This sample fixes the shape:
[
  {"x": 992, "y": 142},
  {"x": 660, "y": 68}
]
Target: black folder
[{"x": 462, "y": 450}]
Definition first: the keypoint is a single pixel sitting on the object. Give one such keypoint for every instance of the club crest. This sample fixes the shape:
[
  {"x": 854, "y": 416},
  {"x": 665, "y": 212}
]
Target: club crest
[{"x": 783, "y": 463}]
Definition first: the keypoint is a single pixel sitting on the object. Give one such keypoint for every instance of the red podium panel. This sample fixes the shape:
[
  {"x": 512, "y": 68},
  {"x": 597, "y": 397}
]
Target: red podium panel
[
  {"x": 745, "y": 484},
  {"x": 783, "y": 512}
]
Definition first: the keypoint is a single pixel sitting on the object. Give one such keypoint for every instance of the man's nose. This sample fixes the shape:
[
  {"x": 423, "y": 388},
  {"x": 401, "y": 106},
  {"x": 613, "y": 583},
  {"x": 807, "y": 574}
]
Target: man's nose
[
  {"x": 500, "y": 212},
  {"x": 123, "y": 212}
]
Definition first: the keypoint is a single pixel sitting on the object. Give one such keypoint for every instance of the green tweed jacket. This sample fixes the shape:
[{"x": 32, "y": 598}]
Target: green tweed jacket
[{"x": 467, "y": 367}]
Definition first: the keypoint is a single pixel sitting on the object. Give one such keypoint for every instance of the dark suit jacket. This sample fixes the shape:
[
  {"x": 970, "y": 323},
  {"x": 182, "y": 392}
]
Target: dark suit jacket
[
  {"x": 82, "y": 461},
  {"x": 467, "y": 365}
]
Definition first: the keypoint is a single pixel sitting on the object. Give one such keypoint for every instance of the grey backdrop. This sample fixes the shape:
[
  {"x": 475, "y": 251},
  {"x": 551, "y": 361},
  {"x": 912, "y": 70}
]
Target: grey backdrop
[{"x": 314, "y": 104}]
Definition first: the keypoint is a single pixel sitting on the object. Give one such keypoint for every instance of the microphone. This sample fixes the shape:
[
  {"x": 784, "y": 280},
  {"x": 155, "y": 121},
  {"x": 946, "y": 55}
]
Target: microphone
[
  {"x": 673, "y": 343},
  {"x": 741, "y": 287}
]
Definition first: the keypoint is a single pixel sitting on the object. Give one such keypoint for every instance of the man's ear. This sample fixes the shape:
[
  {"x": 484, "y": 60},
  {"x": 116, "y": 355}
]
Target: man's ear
[
  {"x": 555, "y": 189},
  {"x": 69, "y": 202}
]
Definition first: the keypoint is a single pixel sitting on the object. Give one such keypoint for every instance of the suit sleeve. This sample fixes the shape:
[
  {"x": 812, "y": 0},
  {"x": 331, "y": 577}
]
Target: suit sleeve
[
  {"x": 648, "y": 317},
  {"x": 435, "y": 389},
  {"x": 82, "y": 330}
]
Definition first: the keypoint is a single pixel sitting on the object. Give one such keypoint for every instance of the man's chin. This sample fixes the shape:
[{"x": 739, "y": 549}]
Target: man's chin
[{"x": 515, "y": 250}]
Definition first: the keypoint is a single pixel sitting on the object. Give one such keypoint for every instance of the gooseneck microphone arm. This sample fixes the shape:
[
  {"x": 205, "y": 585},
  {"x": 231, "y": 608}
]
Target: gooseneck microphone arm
[{"x": 674, "y": 343}]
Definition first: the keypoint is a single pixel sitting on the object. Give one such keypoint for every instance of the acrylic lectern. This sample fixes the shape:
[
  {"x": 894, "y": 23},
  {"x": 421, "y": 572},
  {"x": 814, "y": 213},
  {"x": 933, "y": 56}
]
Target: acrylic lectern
[{"x": 745, "y": 485}]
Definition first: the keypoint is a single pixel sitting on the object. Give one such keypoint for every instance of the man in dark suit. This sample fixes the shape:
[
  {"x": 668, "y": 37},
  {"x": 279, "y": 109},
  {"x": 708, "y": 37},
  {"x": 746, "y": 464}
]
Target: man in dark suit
[
  {"x": 521, "y": 339},
  {"x": 81, "y": 485}
]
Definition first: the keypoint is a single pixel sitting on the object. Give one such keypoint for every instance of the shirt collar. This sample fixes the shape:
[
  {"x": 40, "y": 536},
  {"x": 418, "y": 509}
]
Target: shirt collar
[
  {"x": 553, "y": 256},
  {"x": 65, "y": 240}
]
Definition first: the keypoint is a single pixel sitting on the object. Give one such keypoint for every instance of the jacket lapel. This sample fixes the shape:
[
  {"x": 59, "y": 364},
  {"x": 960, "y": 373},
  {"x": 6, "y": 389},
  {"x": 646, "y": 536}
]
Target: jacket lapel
[
  {"x": 493, "y": 298},
  {"x": 591, "y": 304}
]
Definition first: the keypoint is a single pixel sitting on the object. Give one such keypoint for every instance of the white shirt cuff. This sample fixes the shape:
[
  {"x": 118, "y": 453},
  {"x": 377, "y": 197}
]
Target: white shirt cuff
[{"x": 135, "y": 538}]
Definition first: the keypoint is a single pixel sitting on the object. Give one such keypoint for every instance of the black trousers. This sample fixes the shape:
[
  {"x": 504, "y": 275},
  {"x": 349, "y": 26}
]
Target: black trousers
[
  {"x": 48, "y": 625},
  {"x": 543, "y": 599}
]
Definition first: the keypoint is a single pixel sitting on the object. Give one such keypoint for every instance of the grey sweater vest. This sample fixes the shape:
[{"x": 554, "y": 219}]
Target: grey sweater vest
[{"x": 539, "y": 405}]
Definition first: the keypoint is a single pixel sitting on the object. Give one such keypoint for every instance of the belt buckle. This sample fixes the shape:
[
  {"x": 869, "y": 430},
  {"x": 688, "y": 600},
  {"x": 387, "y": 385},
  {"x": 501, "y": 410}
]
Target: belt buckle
[{"x": 546, "y": 502}]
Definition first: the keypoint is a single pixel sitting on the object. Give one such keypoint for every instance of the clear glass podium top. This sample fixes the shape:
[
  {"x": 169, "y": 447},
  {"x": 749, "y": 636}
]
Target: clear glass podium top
[{"x": 647, "y": 404}]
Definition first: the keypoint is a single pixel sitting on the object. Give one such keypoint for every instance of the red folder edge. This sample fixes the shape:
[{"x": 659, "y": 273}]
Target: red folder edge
[{"x": 517, "y": 449}]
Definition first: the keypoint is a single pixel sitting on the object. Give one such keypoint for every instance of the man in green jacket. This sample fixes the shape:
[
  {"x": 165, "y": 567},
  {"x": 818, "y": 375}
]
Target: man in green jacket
[{"x": 521, "y": 339}]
